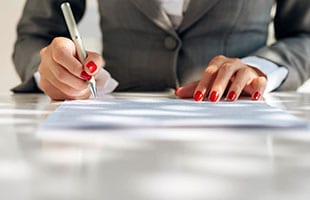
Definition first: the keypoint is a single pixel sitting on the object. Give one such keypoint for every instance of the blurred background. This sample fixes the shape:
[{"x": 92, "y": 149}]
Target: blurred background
[{"x": 10, "y": 12}]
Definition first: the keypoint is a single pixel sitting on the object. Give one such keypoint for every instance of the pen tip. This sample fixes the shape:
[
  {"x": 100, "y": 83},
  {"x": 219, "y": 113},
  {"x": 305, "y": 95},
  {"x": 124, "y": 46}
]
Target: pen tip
[{"x": 93, "y": 90}]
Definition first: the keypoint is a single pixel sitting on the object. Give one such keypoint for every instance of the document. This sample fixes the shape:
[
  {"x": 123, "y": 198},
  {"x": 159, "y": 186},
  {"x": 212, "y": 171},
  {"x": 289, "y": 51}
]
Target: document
[{"x": 167, "y": 113}]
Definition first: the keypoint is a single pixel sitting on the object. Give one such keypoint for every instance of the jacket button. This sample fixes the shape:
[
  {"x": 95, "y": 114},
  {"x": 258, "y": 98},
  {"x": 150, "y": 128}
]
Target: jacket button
[{"x": 170, "y": 43}]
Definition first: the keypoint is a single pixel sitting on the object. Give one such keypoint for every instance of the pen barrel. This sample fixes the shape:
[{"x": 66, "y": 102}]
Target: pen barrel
[
  {"x": 75, "y": 36},
  {"x": 80, "y": 51},
  {"x": 74, "y": 33}
]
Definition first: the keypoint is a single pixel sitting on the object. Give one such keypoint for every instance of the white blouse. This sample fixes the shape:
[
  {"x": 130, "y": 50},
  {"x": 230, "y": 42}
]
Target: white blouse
[{"x": 175, "y": 10}]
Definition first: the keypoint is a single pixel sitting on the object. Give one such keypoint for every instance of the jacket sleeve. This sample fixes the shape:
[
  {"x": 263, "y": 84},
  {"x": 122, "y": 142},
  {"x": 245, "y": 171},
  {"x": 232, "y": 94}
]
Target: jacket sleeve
[
  {"x": 292, "y": 49},
  {"x": 40, "y": 22}
]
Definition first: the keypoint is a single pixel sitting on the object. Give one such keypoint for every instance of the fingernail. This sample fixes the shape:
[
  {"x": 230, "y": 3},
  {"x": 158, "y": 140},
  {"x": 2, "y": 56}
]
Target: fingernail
[
  {"x": 85, "y": 76},
  {"x": 256, "y": 96},
  {"x": 231, "y": 96},
  {"x": 92, "y": 67},
  {"x": 214, "y": 96},
  {"x": 198, "y": 96}
]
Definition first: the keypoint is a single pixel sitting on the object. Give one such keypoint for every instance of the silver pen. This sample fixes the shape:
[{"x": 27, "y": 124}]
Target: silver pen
[{"x": 75, "y": 36}]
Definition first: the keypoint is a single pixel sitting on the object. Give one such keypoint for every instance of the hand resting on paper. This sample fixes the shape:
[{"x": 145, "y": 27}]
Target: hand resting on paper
[{"x": 225, "y": 74}]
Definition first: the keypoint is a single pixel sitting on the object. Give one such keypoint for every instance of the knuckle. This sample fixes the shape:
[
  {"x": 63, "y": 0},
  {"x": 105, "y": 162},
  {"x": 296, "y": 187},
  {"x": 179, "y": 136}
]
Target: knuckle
[
  {"x": 245, "y": 70},
  {"x": 58, "y": 41},
  {"x": 219, "y": 57},
  {"x": 236, "y": 60},
  {"x": 43, "y": 51},
  {"x": 61, "y": 47},
  {"x": 210, "y": 70},
  {"x": 59, "y": 53},
  {"x": 226, "y": 68}
]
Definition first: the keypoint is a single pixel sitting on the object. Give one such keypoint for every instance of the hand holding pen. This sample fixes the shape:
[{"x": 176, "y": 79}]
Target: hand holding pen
[
  {"x": 64, "y": 75},
  {"x": 81, "y": 52}
]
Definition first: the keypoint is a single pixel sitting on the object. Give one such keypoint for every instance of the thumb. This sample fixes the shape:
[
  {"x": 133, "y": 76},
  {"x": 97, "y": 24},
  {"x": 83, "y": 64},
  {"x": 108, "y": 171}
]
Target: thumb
[{"x": 93, "y": 63}]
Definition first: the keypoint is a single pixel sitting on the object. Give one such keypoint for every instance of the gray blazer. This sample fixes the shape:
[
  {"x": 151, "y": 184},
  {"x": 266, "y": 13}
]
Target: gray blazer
[{"x": 144, "y": 53}]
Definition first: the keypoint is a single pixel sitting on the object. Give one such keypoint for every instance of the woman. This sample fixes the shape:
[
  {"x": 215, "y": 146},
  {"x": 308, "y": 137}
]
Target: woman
[{"x": 158, "y": 44}]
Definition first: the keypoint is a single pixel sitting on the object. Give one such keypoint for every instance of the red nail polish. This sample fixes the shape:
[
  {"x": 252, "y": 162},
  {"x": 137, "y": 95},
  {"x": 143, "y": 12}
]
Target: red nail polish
[
  {"x": 92, "y": 67},
  {"x": 198, "y": 96},
  {"x": 214, "y": 96},
  {"x": 231, "y": 96},
  {"x": 85, "y": 76},
  {"x": 256, "y": 96}
]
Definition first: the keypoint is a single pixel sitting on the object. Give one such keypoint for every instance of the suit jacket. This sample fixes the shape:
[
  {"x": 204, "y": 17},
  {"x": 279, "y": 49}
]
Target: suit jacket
[{"x": 144, "y": 53}]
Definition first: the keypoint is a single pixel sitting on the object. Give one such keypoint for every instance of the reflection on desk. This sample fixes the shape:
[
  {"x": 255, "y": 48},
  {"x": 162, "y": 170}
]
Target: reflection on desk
[{"x": 151, "y": 163}]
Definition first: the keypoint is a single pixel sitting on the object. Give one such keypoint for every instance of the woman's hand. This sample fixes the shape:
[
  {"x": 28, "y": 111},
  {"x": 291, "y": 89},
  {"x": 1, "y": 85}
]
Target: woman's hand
[
  {"x": 226, "y": 75},
  {"x": 62, "y": 75}
]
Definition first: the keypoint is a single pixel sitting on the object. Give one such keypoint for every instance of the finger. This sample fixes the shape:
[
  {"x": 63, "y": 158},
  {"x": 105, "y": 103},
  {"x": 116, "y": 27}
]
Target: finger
[
  {"x": 93, "y": 63},
  {"x": 56, "y": 94},
  {"x": 63, "y": 52},
  {"x": 51, "y": 91},
  {"x": 67, "y": 83},
  {"x": 256, "y": 88},
  {"x": 66, "y": 89},
  {"x": 224, "y": 75},
  {"x": 241, "y": 79},
  {"x": 186, "y": 91},
  {"x": 208, "y": 76},
  {"x": 59, "y": 76}
]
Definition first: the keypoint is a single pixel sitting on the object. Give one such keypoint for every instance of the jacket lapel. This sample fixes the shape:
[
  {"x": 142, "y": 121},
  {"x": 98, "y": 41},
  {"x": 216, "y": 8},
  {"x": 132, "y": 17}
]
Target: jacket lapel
[
  {"x": 152, "y": 10},
  {"x": 195, "y": 10}
]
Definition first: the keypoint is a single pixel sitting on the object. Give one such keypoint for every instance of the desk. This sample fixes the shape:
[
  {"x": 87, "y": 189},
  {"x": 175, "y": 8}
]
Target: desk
[{"x": 152, "y": 164}]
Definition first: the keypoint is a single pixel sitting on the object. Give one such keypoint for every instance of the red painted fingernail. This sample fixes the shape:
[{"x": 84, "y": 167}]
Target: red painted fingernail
[
  {"x": 92, "y": 67},
  {"x": 214, "y": 96},
  {"x": 85, "y": 76},
  {"x": 231, "y": 96},
  {"x": 256, "y": 96},
  {"x": 198, "y": 96}
]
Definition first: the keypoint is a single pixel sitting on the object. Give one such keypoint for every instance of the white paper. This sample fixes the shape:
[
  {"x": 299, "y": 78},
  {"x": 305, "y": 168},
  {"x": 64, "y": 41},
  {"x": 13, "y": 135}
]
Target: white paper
[{"x": 164, "y": 112}]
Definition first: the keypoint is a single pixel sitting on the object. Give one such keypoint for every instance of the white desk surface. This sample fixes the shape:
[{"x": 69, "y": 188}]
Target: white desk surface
[{"x": 209, "y": 163}]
